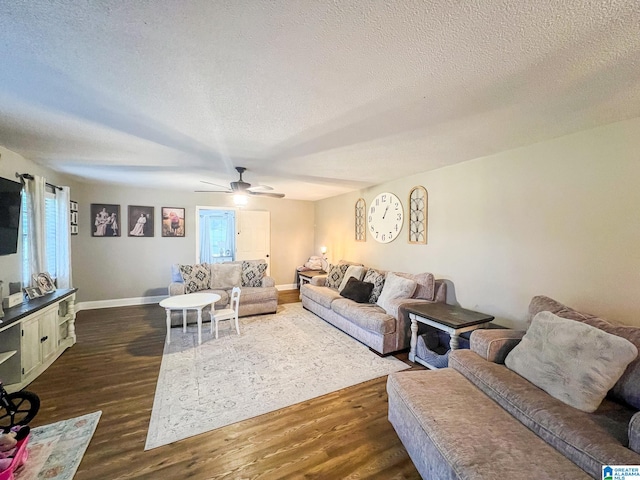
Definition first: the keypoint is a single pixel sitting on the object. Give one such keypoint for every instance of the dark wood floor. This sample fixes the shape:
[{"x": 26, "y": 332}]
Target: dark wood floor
[{"x": 114, "y": 368}]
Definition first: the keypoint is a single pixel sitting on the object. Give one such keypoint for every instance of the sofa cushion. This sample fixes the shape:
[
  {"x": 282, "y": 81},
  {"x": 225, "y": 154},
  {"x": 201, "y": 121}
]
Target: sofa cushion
[
  {"x": 335, "y": 274},
  {"x": 365, "y": 315},
  {"x": 571, "y": 361},
  {"x": 377, "y": 278},
  {"x": 425, "y": 284},
  {"x": 357, "y": 291},
  {"x": 253, "y": 272},
  {"x": 195, "y": 277},
  {"x": 354, "y": 271},
  {"x": 256, "y": 294},
  {"x": 580, "y": 436},
  {"x": 225, "y": 275},
  {"x": 627, "y": 388},
  {"x": 323, "y": 296},
  {"x": 395, "y": 287}
]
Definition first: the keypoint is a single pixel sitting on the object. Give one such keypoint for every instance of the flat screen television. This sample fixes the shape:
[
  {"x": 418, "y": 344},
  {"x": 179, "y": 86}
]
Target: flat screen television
[{"x": 10, "y": 202}]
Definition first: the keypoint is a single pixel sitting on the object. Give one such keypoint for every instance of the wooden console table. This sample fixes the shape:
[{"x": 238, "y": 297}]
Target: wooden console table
[{"x": 34, "y": 334}]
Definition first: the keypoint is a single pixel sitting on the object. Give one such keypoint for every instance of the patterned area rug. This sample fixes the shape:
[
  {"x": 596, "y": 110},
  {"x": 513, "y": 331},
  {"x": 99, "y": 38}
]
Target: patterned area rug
[
  {"x": 277, "y": 361},
  {"x": 56, "y": 450}
]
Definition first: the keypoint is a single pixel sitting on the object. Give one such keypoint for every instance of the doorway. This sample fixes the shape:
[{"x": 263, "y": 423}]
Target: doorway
[{"x": 216, "y": 239}]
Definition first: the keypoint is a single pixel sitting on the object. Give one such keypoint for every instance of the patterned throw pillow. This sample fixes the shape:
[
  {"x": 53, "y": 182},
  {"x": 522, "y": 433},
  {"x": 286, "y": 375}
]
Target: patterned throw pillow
[
  {"x": 253, "y": 273},
  {"x": 195, "y": 277},
  {"x": 377, "y": 278},
  {"x": 335, "y": 275}
]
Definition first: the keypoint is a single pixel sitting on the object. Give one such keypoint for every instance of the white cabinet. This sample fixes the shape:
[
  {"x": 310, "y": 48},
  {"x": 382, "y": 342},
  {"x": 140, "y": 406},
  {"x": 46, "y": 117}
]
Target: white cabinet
[
  {"x": 39, "y": 339},
  {"x": 33, "y": 335}
]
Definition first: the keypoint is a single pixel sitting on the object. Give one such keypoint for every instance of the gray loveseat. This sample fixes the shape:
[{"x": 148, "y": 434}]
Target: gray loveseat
[
  {"x": 479, "y": 419},
  {"x": 258, "y": 292},
  {"x": 384, "y": 330}
]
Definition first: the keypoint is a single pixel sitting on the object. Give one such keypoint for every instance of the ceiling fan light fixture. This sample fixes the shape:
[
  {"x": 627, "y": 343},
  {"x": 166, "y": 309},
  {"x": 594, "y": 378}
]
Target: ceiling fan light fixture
[{"x": 240, "y": 199}]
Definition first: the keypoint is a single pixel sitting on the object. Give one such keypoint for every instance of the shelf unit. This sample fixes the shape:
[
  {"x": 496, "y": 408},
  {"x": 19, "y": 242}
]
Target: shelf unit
[{"x": 33, "y": 335}]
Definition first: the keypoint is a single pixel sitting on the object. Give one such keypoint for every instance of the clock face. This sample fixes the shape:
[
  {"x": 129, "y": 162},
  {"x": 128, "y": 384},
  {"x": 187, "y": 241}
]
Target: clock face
[{"x": 386, "y": 217}]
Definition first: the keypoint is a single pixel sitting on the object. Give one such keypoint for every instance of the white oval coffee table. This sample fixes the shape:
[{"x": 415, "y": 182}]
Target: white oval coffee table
[{"x": 190, "y": 301}]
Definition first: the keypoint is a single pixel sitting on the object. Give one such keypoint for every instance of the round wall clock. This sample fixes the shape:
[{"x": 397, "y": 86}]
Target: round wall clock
[
  {"x": 386, "y": 217},
  {"x": 360, "y": 217}
]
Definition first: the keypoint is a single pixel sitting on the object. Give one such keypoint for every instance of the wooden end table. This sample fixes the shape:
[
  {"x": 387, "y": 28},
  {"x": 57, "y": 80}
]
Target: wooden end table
[{"x": 448, "y": 318}]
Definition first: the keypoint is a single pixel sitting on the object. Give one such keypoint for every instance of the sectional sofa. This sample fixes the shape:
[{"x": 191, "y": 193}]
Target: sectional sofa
[
  {"x": 492, "y": 415},
  {"x": 377, "y": 319}
]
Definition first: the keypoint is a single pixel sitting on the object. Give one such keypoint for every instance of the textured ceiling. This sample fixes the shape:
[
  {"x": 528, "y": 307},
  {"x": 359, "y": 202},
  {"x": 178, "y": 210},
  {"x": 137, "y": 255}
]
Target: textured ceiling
[{"x": 315, "y": 98}]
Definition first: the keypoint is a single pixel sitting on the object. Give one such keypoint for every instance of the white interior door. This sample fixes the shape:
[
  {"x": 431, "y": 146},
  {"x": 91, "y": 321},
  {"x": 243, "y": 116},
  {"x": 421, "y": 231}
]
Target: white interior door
[{"x": 254, "y": 236}]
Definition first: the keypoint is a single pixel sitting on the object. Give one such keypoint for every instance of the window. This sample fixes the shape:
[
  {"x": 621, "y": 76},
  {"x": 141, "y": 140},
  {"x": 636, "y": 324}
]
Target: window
[{"x": 50, "y": 213}]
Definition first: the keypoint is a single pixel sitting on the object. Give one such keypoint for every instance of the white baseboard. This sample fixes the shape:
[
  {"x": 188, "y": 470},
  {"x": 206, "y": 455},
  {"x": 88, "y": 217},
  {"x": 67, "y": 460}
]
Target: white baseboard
[
  {"x": 118, "y": 302},
  {"x": 127, "y": 302}
]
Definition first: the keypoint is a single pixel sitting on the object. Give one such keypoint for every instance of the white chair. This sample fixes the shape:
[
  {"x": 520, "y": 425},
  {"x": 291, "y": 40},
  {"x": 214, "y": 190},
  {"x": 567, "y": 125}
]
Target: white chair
[{"x": 227, "y": 313}]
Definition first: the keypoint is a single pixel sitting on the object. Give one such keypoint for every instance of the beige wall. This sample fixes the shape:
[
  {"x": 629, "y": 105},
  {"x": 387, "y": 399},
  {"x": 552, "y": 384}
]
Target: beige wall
[
  {"x": 131, "y": 267},
  {"x": 559, "y": 218},
  {"x": 10, "y": 164}
]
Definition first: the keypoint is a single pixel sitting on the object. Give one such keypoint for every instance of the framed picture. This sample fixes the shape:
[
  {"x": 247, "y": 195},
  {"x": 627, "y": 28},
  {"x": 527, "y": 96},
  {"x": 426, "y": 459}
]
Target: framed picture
[
  {"x": 44, "y": 283},
  {"x": 32, "y": 292},
  {"x": 140, "y": 221},
  {"x": 73, "y": 217},
  {"x": 418, "y": 211},
  {"x": 105, "y": 219},
  {"x": 172, "y": 222}
]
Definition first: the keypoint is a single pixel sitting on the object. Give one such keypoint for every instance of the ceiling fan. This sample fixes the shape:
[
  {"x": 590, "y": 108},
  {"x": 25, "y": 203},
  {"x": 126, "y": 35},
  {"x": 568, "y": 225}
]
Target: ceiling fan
[{"x": 243, "y": 187}]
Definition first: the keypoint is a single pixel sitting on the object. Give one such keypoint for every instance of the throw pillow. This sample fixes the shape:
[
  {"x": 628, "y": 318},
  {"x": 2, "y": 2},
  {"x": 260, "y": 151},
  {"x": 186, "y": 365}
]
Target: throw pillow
[
  {"x": 253, "y": 273},
  {"x": 195, "y": 277},
  {"x": 354, "y": 271},
  {"x": 377, "y": 278},
  {"x": 176, "y": 276},
  {"x": 357, "y": 291},
  {"x": 395, "y": 286},
  {"x": 426, "y": 285},
  {"x": 571, "y": 361},
  {"x": 335, "y": 274},
  {"x": 226, "y": 275}
]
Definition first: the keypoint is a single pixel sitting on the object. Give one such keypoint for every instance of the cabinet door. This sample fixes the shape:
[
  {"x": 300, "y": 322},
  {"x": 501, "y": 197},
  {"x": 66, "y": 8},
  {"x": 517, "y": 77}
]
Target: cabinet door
[
  {"x": 49, "y": 333},
  {"x": 30, "y": 349}
]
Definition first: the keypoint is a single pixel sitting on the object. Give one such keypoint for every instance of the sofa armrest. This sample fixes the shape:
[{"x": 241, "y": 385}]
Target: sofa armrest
[
  {"x": 268, "y": 282},
  {"x": 176, "y": 288},
  {"x": 494, "y": 344},
  {"x": 319, "y": 280},
  {"x": 634, "y": 433}
]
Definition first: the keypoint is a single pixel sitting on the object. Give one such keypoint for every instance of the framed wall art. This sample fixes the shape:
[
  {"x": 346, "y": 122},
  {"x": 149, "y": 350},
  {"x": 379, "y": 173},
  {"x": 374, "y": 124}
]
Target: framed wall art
[
  {"x": 73, "y": 217},
  {"x": 140, "y": 221},
  {"x": 105, "y": 219},
  {"x": 418, "y": 215},
  {"x": 361, "y": 220},
  {"x": 172, "y": 222}
]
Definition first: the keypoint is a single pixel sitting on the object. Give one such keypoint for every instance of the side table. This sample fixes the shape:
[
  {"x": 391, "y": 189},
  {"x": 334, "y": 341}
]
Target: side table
[{"x": 448, "y": 318}]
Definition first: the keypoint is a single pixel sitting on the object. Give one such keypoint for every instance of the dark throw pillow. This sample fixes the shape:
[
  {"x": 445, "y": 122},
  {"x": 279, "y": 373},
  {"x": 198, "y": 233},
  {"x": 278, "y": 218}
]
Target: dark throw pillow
[{"x": 357, "y": 290}]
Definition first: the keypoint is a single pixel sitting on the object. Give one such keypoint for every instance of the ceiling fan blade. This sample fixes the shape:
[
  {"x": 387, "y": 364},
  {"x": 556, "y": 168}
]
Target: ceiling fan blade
[
  {"x": 212, "y": 191},
  {"x": 267, "y": 194},
  {"x": 260, "y": 188},
  {"x": 214, "y": 184}
]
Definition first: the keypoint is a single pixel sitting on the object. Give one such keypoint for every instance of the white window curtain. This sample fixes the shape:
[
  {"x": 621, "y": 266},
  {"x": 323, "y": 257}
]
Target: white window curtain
[
  {"x": 36, "y": 236},
  {"x": 63, "y": 238},
  {"x": 47, "y": 232}
]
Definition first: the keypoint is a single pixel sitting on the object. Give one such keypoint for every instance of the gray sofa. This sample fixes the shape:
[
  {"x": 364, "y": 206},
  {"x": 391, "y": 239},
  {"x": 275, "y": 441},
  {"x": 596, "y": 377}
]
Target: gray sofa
[
  {"x": 384, "y": 331},
  {"x": 254, "y": 300},
  {"x": 479, "y": 419}
]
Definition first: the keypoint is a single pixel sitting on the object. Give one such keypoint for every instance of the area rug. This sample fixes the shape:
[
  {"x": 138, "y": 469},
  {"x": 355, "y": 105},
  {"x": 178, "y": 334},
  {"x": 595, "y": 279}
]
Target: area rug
[
  {"x": 278, "y": 360},
  {"x": 56, "y": 450}
]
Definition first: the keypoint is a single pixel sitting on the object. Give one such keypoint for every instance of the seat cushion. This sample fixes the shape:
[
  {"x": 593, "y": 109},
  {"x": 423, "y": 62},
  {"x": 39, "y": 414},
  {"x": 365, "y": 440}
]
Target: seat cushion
[
  {"x": 321, "y": 295},
  {"x": 365, "y": 315}
]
